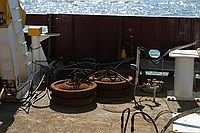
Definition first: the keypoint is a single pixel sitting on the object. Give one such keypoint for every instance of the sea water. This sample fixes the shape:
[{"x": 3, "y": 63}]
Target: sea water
[{"x": 169, "y": 8}]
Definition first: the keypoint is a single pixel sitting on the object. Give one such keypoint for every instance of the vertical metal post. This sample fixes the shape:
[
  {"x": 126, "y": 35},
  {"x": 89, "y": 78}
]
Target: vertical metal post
[
  {"x": 35, "y": 51},
  {"x": 38, "y": 56},
  {"x": 137, "y": 69}
]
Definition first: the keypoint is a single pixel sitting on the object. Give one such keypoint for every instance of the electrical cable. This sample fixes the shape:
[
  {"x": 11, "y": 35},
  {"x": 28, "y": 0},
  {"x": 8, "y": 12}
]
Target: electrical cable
[
  {"x": 21, "y": 88},
  {"x": 122, "y": 62},
  {"x": 95, "y": 64},
  {"x": 123, "y": 127},
  {"x": 32, "y": 97},
  {"x": 167, "y": 52},
  {"x": 19, "y": 101},
  {"x": 47, "y": 74},
  {"x": 143, "y": 114},
  {"x": 104, "y": 72},
  {"x": 8, "y": 88},
  {"x": 35, "y": 101},
  {"x": 151, "y": 120},
  {"x": 167, "y": 104},
  {"x": 157, "y": 62},
  {"x": 159, "y": 114},
  {"x": 136, "y": 103}
]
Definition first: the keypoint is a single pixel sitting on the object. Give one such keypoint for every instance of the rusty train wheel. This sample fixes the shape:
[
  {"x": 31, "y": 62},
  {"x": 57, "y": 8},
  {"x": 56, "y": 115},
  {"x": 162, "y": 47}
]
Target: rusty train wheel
[
  {"x": 73, "y": 101},
  {"x": 65, "y": 94},
  {"x": 118, "y": 85},
  {"x": 113, "y": 89},
  {"x": 113, "y": 94}
]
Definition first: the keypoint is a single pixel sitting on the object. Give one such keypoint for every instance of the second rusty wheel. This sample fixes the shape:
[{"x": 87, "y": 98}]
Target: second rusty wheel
[{"x": 110, "y": 84}]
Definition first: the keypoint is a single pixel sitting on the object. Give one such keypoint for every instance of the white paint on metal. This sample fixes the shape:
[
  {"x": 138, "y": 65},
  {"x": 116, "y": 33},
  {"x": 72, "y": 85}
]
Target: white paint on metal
[
  {"x": 184, "y": 72},
  {"x": 172, "y": 97},
  {"x": 14, "y": 61},
  {"x": 19, "y": 36},
  {"x": 14, "y": 56},
  {"x": 184, "y": 53},
  {"x": 38, "y": 53},
  {"x": 187, "y": 124},
  {"x": 6, "y": 61},
  {"x": 47, "y": 35}
]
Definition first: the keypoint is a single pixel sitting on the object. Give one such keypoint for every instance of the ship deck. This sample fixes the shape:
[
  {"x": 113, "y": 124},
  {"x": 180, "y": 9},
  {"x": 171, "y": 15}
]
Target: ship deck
[{"x": 103, "y": 116}]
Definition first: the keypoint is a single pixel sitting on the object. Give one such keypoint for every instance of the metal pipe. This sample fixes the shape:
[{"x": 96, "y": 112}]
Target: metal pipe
[
  {"x": 154, "y": 94},
  {"x": 155, "y": 86},
  {"x": 137, "y": 70}
]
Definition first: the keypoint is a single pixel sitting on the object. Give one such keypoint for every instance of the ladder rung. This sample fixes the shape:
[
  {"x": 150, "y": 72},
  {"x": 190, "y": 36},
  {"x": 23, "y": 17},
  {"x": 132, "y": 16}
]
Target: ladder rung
[
  {"x": 28, "y": 63},
  {"x": 27, "y": 53},
  {"x": 16, "y": 8},
  {"x": 25, "y": 42},
  {"x": 19, "y": 20}
]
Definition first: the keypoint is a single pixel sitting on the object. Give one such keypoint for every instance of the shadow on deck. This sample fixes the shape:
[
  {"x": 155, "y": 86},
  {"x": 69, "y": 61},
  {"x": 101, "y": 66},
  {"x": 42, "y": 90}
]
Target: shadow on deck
[{"x": 7, "y": 113}]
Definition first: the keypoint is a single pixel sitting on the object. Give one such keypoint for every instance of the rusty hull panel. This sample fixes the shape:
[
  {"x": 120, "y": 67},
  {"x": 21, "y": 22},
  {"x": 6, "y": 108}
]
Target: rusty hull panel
[
  {"x": 101, "y": 37},
  {"x": 84, "y": 37},
  {"x": 35, "y": 19},
  {"x": 107, "y": 38},
  {"x": 62, "y": 46}
]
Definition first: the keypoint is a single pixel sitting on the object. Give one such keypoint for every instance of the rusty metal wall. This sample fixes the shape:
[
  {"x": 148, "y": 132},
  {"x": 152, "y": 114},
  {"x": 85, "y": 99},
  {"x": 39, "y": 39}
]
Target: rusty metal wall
[{"x": 101, "y": 37}]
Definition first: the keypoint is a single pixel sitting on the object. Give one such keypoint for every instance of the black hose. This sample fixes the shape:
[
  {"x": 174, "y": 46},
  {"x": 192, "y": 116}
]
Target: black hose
[
  {"x": 93, "y": 63},
  {"x": 36, "y": 100},
  {"x": 123, "y": 127},
  {"x": 161, "y": 113},
  {"x": 31, "y": 98},
  {"x": 136, "y": 103},
  {"x": 167, "y": 52},
  {"x": 144, "y": 114}
]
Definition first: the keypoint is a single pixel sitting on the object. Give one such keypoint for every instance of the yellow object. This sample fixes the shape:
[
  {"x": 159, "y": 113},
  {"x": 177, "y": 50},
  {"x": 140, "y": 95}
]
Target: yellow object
[
  {"x": 22, "y": 15},
  {"x": 4, "y": 9},
  {"x": 34, "y": 30},
  {"x": 6, "y": 13},
  {"x": 123, "y": 54}
]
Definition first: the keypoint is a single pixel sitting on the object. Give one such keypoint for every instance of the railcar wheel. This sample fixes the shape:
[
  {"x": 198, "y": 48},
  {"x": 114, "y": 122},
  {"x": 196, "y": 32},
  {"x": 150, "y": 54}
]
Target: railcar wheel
[
  {"x": 66, "y": 94},
  {"x": 113, "y": 89}
]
